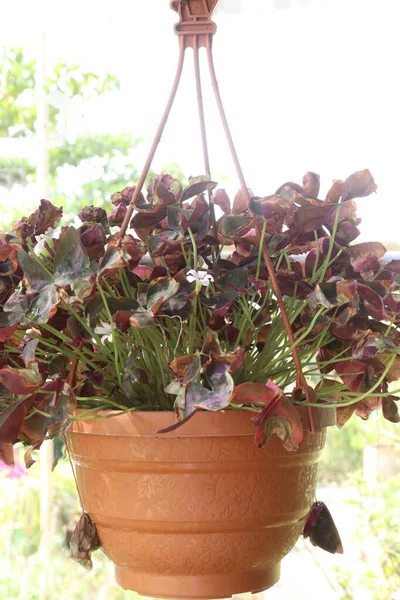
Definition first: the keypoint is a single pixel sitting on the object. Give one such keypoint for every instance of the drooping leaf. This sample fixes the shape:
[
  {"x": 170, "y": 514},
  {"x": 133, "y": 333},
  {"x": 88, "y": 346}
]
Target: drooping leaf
[
  {"x": 353, "y": 373},
  {"x": 84, "y": 541},
  {"x": 93, "y": 239},
  {"x": 335, "y": 192},
  {"x": 372, "y": 301},
  {"x": 21, "y": 381},
  {"x": 197, "y": 185},
  {"x": 321, "y": 529},
  {"x": 215, "y": 399},
  {"x": 358, "y": 185},
  {"x": 221, "y": 199},
  {"x": 253, "y": 393},
  {"x": 11, "y": 420},
  {"x": 343, "y": 414},
  {"x": 186, "y": 368},
  {"x": 241, "y": 201},
  {"x": 278, "y": 417},
  {"x": 311, "y": 184},
  {"x": 117, "y": 216},
  {"x": 366, "y": 406},
  {"x": 369, "y": 262},
  {"x": 390, "y": 409},
  {"x": 44, "y": 400},
  {"x": 279, "y": 426},
  {"x": 359, "y": 251}
]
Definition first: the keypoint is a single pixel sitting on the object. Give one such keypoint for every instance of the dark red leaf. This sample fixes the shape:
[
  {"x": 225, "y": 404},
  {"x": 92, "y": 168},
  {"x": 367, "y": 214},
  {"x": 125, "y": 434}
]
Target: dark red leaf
[
  {"x": 20, "y": 382},
  {"x": 241, "y": 201},
  {"x": 310, "y": 218},
  {"x": 369, "y": 262},
  {"x": 116, "y": 217},
  {"x": 321, "y": 529}
]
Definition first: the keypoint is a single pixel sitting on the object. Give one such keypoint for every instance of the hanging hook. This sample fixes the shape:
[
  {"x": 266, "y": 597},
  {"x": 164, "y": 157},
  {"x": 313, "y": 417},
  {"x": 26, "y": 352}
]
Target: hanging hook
[{"x": 195, "y": 24}]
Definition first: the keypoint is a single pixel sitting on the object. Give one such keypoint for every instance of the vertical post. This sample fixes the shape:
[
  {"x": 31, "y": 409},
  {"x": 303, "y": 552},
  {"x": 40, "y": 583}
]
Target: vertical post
[
  {"x": 42, "y": 121},
  {"x": 42, "y": 183}
]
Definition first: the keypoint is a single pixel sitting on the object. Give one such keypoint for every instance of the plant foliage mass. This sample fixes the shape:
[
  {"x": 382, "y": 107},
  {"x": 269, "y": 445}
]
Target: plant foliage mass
[{"x": 178, "y": 313}]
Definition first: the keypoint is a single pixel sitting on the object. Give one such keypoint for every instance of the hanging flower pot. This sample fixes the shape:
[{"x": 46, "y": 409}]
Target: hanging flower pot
[
  {"x": 195, "y": 362},
  {"x": 199, "y": 512}
]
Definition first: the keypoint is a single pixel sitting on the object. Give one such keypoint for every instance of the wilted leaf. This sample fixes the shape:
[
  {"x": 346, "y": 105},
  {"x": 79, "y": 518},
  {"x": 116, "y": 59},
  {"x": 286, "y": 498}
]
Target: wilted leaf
[
  {"x": 369, "y": 262},
  {"x": 241, "y": 201},
  {"x": 221, "y": 199},
  {"x": 197, "y": 185},
  {"x": 335, "y": 192},
  {"x": 93, "y": 239},
  {"x": 84, "y": 541},
  {"x": 358, "y": 185},
  {"x": 311, "y": 183},
  {"x": 390, "y": 409},
  {"x": 11, "y": 420},
  {"x": 321, "y": 529},
  {"x": 21, "y": 382},
  {"x": 45, "y": 217},
  {"x": 310, "y": 217},
  {"x": 372, "y": 301},
  {"x": 93, "y": 214},
  {"x": 117, "y": 216},
  {"x": 186, "y": 368},
  {"x": 126, "y": 196},
  {"x": 353, "y": 373},
  {"x": 359, "y": 251}
]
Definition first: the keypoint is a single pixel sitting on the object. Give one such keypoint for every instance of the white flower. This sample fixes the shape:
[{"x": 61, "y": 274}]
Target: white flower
[
  {"x": 200, "y": 277},
  {"x": 105, "y": 330},
  {"x": 45, "y": 237}
]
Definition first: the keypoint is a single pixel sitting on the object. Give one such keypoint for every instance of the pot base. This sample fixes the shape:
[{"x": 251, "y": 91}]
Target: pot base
[{"x": 196, "y": 587}]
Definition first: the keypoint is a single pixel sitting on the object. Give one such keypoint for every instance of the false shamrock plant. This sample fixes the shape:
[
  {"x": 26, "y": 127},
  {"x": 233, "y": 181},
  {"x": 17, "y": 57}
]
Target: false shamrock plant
[{"x": 178, "y": 313}]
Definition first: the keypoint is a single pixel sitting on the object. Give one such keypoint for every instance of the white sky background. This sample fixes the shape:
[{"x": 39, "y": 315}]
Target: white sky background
[{"x": 313, "y": 86}]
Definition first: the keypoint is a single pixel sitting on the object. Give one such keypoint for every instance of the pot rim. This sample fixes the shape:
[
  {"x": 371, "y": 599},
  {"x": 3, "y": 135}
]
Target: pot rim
[{"x": 203, "y": 424}]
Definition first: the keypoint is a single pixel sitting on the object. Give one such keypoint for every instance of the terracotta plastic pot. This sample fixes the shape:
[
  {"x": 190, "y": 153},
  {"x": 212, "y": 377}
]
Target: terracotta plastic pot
[{"x": 200, "y": 512}]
